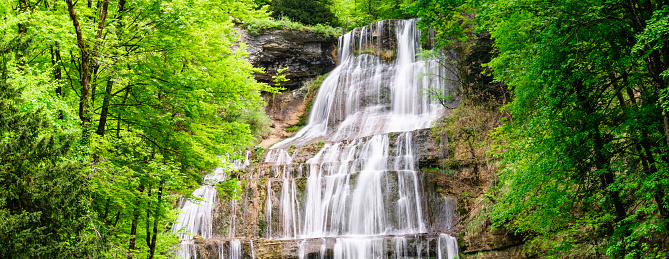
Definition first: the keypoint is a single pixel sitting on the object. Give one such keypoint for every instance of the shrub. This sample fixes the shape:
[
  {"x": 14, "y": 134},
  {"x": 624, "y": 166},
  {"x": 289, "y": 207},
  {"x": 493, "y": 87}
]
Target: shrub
[{"x": 306, "y": 12}]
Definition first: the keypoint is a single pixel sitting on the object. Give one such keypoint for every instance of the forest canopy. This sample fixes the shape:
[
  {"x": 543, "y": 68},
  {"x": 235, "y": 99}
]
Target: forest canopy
[{"x": 109, "y": 111}]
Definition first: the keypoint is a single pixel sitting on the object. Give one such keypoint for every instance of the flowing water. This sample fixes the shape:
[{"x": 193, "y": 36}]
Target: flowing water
[{"x": 360, "y": 194}]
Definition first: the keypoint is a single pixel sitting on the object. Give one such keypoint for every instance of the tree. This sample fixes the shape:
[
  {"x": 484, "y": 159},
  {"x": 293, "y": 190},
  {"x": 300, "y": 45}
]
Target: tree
[
  {"x": 306, "y": 12},
  {"x": 44, "y": 198},
  {"x": 587, "y": 135},
  {"x": 159, "y": 92}
]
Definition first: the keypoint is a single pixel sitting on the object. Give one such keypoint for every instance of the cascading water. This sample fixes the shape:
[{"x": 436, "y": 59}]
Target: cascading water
[
  {"x": 359, "y": 194},
  {"x": 196, "y": 216},
  {"x": 368, "y": 93},
  {"x": 362, "y": 188}
]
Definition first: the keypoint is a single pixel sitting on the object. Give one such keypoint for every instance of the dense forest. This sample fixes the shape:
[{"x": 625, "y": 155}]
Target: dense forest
[{"x": 112, "y": 110}]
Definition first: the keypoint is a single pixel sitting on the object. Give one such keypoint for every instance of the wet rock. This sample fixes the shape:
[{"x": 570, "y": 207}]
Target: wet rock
[
  {"x": 481, "y": 239},
  {"x": 305, "y": 54}
]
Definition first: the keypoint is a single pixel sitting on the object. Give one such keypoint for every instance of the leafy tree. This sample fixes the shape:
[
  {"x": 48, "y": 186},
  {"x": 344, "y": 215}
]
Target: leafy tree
[
  {"x": 587, "y": 136},
  {"x": 155, "y": 92},
  {"x": 306, "y": 12},
  {"x": 44, "y": 199}
]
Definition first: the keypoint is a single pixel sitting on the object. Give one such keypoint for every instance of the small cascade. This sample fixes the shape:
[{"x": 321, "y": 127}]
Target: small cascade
[
  {"x": 235, "y": 250},
  {"x": 348, "y": 184},
  {"x": 448, "y": 247},
  {"x": 196, "y": 216},
  {"x": 253, "y": 256}
]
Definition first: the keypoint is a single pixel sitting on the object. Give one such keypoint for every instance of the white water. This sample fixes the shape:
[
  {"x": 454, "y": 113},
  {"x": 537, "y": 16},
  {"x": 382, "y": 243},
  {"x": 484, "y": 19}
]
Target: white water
[
  {"x": 362, "y": 187},
  {"x": 235, "y": 250},
  {"x": 196, "y": 214},
  {"x": 365, "y": 95},
  {"x": 360, "y": 195}
]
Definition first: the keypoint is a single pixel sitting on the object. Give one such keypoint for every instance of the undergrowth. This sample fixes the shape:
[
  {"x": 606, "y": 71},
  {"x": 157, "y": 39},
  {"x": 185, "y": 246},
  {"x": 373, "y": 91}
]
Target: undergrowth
[
  {"x": 312, "y": 90},
  {"x": 254, "y": 26}
]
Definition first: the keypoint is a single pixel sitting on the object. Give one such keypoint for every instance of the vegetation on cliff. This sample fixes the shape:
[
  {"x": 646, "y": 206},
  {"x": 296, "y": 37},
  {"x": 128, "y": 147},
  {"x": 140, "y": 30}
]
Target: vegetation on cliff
[{"x": 254, "y": 26}]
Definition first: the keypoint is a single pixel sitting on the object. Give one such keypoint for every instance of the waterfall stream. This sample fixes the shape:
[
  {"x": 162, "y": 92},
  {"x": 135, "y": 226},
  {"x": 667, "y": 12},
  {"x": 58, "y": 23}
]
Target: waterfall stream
[{"x": 359, "y": 194}]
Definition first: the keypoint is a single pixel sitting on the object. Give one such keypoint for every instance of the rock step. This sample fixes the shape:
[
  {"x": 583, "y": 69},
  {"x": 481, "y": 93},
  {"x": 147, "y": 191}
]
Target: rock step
[{"x": 423, "y": 245}]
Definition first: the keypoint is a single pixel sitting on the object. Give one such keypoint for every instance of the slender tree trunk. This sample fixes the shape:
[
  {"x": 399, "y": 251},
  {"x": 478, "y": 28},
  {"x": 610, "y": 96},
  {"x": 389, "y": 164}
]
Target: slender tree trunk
[
  {"x": 96, "y": 47},
  {"x": 118, "y": 216},
  {"x": 156, "y": 218},
  {"x": 602, "y": 160},
  {"x": 55, "y": 62},
  {"x": 654, "y": 64},
  {"x": 118, "y": 122},
  {"x": 608, "y": 178},
  {"x": 84, "y": 113},
  {"x": 135, "y": 221},
  {"x": 22, "y": 30},
  {"x": 646, "y": 156},
  {"x": 148, "y": 220},
  {"x": 106, "y": 211},
  {"x": 104, "y": 113}
]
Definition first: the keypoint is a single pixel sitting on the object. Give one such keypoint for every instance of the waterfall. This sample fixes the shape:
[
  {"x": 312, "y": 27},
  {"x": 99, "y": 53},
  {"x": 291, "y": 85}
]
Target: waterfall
[
  {"x": 362, "y": 188},
  {"x": 358, "y": 193},
  {"x": 235, "y": 250},
  {"x": 196, "y": 215},
  {"x": 370, "y": 94}
]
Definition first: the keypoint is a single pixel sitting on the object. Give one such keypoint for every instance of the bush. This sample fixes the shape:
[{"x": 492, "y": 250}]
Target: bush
[
  {"x": 254, "y": 26},
  {"x": 306, "y": 12}
]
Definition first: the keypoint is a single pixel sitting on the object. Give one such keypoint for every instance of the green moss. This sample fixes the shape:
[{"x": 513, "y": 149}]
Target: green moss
[
  {"x": 385, "y": 55},
  {"x": 261, "y": 227},
  {"x": 432, "y": 170},
  {"x": 312, "y": 90},
  {"x": 294, "y": 128},
  {"x": 230, "y": 189}
]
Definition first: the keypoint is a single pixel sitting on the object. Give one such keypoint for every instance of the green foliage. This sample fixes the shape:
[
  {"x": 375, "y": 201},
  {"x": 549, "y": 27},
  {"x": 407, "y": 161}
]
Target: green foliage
[
  {"x": 254, "y": 26},
  {"x": 155, "y": 94},
  {"x": 465, "y": 132},
  {"x": 44, "y": 200},
  {"x": 294, "y": 128},
  {"x": 586, "y": 137},
  {"x": 229, "y": 189},
  {"x": 357, "y": 13},
  {"x": 279, "y": 78},
  {"x": 312, "y": 91},
  {"x": 452, "y": 20},
  {"x": 305, "y": 12}
]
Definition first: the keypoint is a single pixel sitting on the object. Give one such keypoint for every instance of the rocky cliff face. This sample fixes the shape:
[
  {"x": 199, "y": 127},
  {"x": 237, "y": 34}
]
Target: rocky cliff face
[
  {"x": 305, "y": 54},
  {"x": 454, "y": 199}
]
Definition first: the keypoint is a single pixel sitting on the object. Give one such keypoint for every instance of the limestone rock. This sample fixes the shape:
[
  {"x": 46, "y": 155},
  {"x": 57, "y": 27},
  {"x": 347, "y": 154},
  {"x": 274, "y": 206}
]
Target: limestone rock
[{"x": 306, "y": 54}]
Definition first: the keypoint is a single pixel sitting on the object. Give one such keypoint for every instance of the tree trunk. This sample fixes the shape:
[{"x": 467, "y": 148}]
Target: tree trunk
[
  {"x": 84, "y": 113},
  {"x": 148, "y": 219},
  {"x": 644, "y": 148},
  {"x": 55, "y": 62},
  {"x": 135, "y": 221},
  {"x": 156, "y": 218},
  {"x": 105, "y": 108},
  {"x": 608, "y": 178},
  {"x": 96, "y": 48}
]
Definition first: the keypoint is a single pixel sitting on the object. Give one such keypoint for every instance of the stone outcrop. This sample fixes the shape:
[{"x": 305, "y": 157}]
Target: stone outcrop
[
  {"x": 483, "y": 242},
  {"x": 305, "y": 54}
]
